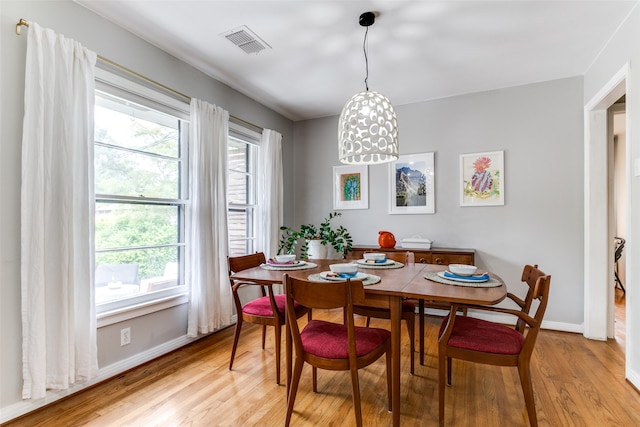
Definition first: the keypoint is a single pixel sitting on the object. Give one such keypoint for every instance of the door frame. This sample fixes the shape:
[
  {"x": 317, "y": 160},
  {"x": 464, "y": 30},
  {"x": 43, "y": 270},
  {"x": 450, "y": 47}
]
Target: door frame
[{"x": 598, "y": 229}]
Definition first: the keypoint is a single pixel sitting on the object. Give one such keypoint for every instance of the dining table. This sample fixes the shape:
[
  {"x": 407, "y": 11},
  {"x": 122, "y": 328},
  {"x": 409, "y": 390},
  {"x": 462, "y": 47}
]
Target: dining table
[{"x": 408, "y": 280}]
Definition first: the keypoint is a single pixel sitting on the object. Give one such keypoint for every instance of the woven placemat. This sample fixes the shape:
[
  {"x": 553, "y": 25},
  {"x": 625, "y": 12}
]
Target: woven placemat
[
  {"x": 304, "y": 266},
  {"x": 491, "y": 283},
  {"x": 373, "y": 266},
  {"x": 369, "y": 280}
]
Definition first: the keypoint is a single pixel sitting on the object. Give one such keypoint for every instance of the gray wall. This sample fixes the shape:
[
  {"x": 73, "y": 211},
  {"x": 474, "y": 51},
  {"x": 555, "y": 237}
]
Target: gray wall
[
  {"x": 65, "y": 17},
  {"x": 540, "y": 129}
]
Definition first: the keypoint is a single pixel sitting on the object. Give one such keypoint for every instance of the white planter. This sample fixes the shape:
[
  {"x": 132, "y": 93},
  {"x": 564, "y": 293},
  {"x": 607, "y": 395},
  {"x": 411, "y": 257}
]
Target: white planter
[{"x": 316, "y": 250}]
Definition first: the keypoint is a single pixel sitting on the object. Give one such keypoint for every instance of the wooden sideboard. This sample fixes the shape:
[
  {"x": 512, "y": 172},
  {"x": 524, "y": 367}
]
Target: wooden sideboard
[{"x": 439, "y": 256}]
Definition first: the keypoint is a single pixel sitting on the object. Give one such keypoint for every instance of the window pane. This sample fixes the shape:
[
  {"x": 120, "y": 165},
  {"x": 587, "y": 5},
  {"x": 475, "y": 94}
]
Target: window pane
[
  {"x": 125, "y": 124},
  {"x": 238, "y": 188},
  {"x": 126, "y": 274},
  {"x": 123, "y": 225},
  {"x": 124, "y": 173}
]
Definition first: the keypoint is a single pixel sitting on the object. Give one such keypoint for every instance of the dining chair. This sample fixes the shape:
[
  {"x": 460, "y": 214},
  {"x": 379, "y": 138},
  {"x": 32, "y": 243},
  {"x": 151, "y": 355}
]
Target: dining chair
[
  {"x": 408, "y": 310},
  {"x": 333, "y": 346},
  {"x": 267, "y": 310},
  {"x": 482, "y": 341}
]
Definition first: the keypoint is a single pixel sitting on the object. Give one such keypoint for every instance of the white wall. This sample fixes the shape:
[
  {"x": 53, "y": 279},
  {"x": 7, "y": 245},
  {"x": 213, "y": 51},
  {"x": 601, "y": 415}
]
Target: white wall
[
  {"x": 621, "y": 50},
  {"x": 540, "y": 129},
  {"x": 151, "y": 334}
]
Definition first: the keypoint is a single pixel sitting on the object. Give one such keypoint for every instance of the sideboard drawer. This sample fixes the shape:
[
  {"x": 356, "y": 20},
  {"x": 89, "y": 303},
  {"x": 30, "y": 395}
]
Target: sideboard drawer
[
  {"x": 423, "y": 257},
  {"x": 442, "y": 258}
]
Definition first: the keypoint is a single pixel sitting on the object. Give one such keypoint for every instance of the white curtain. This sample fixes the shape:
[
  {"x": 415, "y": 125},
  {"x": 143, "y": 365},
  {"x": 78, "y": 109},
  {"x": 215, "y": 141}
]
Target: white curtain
[
  {"x": 270, "y": 193},
  {"x": 211, "y": 303},
  {"x": 57, "y": 209}
]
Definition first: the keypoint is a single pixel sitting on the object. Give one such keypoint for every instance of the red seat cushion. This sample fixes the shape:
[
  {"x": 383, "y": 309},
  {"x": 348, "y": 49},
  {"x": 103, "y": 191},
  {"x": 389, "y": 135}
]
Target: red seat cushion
[
  {"x": 330, "y": 340},
  {"x": 481, "y": 335},
  {"x": 262, "y": 306}
]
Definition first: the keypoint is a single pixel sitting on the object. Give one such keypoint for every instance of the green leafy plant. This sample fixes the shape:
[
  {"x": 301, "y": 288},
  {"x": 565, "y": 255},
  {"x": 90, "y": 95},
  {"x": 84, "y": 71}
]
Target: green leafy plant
[{"x": 338, "y": 238}]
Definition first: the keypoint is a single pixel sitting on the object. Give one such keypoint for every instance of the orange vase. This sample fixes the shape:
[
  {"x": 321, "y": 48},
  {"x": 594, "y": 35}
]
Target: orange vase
[{"x": 386, "y": 240}]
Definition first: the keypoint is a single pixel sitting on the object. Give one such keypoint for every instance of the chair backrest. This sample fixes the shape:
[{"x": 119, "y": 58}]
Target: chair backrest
[
  {"x": 530, "y": 276},
  {"x": 402, "y": 257},
  {"x": 125, "y": 273},
  {"x": 540, "y": 293},
  {"x": 321, "y": 296},
  {"x": 243, "y": 262}
]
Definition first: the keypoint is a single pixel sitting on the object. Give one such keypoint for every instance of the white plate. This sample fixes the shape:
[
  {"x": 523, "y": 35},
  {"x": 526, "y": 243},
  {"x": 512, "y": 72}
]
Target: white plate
[
  {"x": 461, "y": 279},
  {"x": 298, "y": 263},
  {"x": 381, "y": 264},
  {"x": 359, "y": 276}
]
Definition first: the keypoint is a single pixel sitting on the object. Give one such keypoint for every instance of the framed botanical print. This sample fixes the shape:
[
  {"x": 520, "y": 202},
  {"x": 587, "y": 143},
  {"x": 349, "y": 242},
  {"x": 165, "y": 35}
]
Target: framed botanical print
[
  {"x": 482, "y": 179},
  {"x": 350, "y": 187},
  {"x": 411, "y": 184}
]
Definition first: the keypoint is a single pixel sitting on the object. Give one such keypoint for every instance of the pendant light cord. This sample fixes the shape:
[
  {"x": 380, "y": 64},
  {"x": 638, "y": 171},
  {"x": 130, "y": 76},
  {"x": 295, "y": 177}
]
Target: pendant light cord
[{"x": 366, "y": 59}]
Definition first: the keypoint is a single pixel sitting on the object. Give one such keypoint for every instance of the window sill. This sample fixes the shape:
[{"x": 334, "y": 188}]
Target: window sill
[{"x": 130, "y": 312}]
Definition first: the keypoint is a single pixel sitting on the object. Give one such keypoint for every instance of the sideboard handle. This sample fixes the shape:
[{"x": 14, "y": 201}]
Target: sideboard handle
[
  {"x": 423, "y": 261},
  {"x": 439, "y": 261}
]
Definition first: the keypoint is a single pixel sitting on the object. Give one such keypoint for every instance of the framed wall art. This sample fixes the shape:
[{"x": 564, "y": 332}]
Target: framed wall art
[
  {"x": 350, "y": 187},
  {"x": 411, "y": 185},
  {"x": 482, "y": 179}
]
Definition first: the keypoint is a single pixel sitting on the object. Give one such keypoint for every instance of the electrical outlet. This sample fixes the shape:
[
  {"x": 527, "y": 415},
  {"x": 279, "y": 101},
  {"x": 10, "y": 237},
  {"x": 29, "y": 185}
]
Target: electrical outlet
[{"x": 125, "y": 336}]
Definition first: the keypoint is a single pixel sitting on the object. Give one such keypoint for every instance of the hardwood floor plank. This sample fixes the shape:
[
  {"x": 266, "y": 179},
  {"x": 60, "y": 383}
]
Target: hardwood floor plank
[{"x": 576, "y": 382}]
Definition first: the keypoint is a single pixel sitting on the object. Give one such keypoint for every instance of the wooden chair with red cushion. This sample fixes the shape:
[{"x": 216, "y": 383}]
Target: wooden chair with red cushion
[
  {"x": 267, "y": 310},
  {"x": 333, "y": 346},
  {"x": 486, "y": 342},
  {"x": 408, "y": 311}
]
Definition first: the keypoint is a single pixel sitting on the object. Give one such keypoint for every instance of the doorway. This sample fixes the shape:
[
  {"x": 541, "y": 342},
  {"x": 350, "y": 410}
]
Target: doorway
[{"x": 618, "y": 176}]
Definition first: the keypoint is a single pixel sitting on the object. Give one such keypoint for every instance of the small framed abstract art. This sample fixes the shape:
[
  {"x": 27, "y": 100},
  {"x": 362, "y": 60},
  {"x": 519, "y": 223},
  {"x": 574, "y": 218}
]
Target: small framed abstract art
[
  {"x": 482, "y": 179},
  {"x": 350, "y": 187},
  {"x": 411, "y": 185}
]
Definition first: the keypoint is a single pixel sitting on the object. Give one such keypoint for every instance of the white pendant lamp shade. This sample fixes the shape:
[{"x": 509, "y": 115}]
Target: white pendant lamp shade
[{"x": 368, "y": 130}]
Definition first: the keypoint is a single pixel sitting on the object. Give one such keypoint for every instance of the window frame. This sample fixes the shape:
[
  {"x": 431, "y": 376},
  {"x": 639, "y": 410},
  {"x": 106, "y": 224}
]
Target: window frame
[
  {"x": 251, "y": 138},
  {"x": 158, "y": 99}
]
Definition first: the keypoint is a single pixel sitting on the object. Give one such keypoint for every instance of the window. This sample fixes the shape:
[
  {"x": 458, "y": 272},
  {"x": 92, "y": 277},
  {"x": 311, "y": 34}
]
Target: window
[
  {"x": 241, "y": 189},
  {"x": 140, "y": 169}
]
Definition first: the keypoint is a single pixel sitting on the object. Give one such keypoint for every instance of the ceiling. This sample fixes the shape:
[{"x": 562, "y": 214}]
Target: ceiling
[{"x": 418, "y": 50}]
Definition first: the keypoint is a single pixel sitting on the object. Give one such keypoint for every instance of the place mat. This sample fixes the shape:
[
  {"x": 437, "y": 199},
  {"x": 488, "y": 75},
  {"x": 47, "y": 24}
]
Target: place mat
[
  {"x": 433, "y": 276},
  {"x": 374, "y": 266},
  {"x": 303, "y": 266},
  {"x": 370, "y": 280}
]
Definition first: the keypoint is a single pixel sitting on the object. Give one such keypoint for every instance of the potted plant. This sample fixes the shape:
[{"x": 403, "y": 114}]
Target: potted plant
[{"x": 315, "y": 240}]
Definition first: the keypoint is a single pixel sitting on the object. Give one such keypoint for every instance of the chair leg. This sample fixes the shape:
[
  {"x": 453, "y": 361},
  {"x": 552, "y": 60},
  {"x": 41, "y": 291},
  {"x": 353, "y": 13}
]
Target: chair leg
[
  {"x": 442, "y": 358},
  {"x": 355, "y": 392},
  {"x": 527, "y": 390},
  {"x": 411, "y": 329},
  {"x": 389, "y": 392},
  {"x": 264, "y": 335},
  {"x": 293, "y": 389},
  {"x": 278, "y": 335},
  {"x": 314, "y": 379},
  {"x": 421, "y": 326},
  {"x": 236, "y": 337}
]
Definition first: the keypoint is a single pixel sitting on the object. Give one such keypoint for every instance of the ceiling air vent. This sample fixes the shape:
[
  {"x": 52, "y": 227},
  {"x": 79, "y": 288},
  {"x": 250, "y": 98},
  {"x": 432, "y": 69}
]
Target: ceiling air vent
[{"x": 246, "y": 40}]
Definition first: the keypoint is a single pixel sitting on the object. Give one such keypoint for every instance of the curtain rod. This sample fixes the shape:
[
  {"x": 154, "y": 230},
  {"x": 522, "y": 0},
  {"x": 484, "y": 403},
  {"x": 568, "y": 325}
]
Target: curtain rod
[{"x": 24, "y": 23}]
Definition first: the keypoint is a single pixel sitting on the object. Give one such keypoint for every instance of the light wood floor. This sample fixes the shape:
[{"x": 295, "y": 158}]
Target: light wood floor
[{"x": 577, "y": 382}]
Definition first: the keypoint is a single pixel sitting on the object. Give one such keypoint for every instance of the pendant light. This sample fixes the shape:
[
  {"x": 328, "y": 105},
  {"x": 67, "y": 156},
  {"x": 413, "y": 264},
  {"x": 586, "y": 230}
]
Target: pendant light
[{"x": 367, "y": 128}]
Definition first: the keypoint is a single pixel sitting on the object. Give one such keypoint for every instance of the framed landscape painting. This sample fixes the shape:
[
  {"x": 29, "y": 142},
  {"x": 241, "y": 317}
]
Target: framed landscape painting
[
  {"x": 350, "y": 187},
  {"x": 411, "y": 185},
  {"x": 482, "y": 179}
]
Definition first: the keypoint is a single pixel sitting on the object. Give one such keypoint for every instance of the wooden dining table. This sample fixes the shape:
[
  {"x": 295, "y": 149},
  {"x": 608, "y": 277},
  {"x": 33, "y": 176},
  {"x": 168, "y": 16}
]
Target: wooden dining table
[{"x": 395, "y": 285}]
